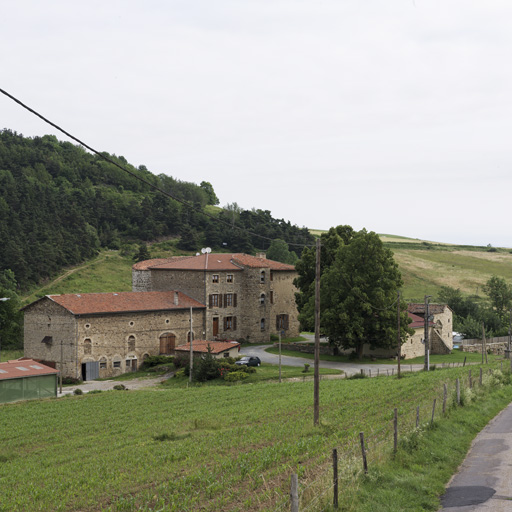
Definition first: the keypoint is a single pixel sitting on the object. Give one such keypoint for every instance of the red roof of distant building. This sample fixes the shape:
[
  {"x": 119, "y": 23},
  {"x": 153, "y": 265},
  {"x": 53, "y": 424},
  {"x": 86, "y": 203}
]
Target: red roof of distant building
[
  {"x": 201, "y": 346},
  {"x": 419, "y": 308},
  {"x": 417, "y": 321},
  {"x": 122, "y": 302},
  {"x": 24, "y": 368},
  {"x": 212, "y": 262}
]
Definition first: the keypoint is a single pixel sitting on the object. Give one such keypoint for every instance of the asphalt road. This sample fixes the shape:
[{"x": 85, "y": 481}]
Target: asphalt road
[{"x": 484, "y": 481}]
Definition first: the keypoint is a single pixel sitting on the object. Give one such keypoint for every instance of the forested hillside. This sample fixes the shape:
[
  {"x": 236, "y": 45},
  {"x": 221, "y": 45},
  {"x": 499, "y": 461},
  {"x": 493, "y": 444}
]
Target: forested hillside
[{"x": 60, "y": 204}]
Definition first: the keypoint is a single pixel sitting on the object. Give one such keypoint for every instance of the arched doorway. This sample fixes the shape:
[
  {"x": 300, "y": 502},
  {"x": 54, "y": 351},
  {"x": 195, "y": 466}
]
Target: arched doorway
[{"x": 167, "y": 343}]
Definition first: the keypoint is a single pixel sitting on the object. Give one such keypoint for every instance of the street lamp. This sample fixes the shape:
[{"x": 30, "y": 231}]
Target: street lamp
[{"x": 2, "y": 299}]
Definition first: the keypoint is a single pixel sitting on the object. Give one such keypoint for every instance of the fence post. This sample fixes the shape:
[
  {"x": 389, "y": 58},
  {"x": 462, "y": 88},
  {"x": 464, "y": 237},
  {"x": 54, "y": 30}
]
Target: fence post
[
  {"x": 369, "y": 373},
  {"x": 395, "y": 428},
  {"x": 378, "y": 371},
  {"x": 464, "y": 361},
  {"x": 335, "y": 477},
  {"x": 362, "y": 371},
  {"x": 445, "y": 396},
  {"x": 470, "y": 380},
  {"x": 457, "y": 382},
  {"x": 363, "y": 451},
  {"x": 433, "y": 411},
  {"x": 480, "y": 376},
  {"x": 392, "y": 372},
  {"x": 294, "y": 493}
]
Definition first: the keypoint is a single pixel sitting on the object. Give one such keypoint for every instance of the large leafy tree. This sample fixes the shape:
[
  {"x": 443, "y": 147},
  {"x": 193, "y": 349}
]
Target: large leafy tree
[
  {"x": 11, "y": 319},
  {"x": 499, "y": 293},
  {"x": 279, "y": 251},
  {"x": 359, "y": 288}
]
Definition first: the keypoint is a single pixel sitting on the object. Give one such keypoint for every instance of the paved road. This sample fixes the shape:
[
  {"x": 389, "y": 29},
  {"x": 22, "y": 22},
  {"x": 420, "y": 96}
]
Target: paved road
[
  {"x": 484, "y": 481},
  {"x": 348, "y": 368}
]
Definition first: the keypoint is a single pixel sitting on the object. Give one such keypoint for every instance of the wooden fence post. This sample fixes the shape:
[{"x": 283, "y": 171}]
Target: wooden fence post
[
  {"x": 392, "y": 372},
  {"x": 445, "y": 396},
  {"x": 395, "y": 428},
  {"x": 335, "y": 477},
  {"x": 362, "y": 371},
  {"x": 433, "y": 411},
  {"x": 457, "y": 383},
  {"x": 464, "y": 361},
  {"x": 470, "y": 380},
  {"x": 417, "y": 416},
  {"x": 294, "y": 493},
  {"x": 363, "y": 451},
  {"x": 480, "y": 376},
  {"x": 369, "y": 373}
]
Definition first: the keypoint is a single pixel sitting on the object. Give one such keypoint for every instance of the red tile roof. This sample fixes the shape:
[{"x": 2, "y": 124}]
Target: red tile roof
[
  {"x": 228, "y": 262},
  {"x": 123, "y": 302},
  {"x": 417, "y": 321},
  {"x": 419, "y": 308},
  {"x": 201, "y": 346},
  {"x": 24, "y": 368}
]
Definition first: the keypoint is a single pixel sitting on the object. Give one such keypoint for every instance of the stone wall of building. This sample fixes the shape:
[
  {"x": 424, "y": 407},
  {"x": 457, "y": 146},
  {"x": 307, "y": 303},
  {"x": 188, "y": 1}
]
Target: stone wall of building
[
  {"x": 284, "y": 302},
  {"x": 141, "y": 281}
]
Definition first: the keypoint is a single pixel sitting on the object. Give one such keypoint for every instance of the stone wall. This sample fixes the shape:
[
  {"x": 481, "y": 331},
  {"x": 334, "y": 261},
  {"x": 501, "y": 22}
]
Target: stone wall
[{"x": 284, "y": 302}]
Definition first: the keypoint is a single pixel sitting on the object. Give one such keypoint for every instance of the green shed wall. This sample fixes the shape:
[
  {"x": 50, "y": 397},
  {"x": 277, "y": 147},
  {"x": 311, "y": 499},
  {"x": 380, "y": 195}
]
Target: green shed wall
[{"x": 28, "y": 388}]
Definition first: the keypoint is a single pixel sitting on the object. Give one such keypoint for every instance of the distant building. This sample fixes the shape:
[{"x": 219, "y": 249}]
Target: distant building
[
  {"x": 99, "y": 335},
  {"x": 246, "y": 297},
  {"x": 218, "y": 349},
  {"x": 25, "y": 379}
]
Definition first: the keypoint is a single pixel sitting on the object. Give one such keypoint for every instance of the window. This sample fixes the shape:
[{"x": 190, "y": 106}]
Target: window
[
  {"x": 228, "y": 300},
  {"x": 262, "y": 276},
  {"x": 262, "y": 324},
  {"x": 262, "y": 299},
  {"x": 271, "y": 275},
  {"x": 271, "y": 297},
  {"x": 87, "y": 346},
  {"x": 281, "y": 322},
  {"x": 188, "y": 337},
  {"x": 215, "y": 300},
  {"x": 230, "y": 323},
  {"x": 229, "y": 278},
  {"x": 117, "y": 364},
  {"x": 131, "y": 324},
  {"x": 128, "y": 363},
  {"x": 215, "y": 278},
  {"x": 226, "y": 354},
  {"x": 103, "y": 363},
  {"x": 131, "y": 343}
]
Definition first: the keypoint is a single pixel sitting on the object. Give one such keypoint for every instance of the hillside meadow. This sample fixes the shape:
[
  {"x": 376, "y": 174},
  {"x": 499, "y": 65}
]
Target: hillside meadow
[{"x": 230, "y": 448}]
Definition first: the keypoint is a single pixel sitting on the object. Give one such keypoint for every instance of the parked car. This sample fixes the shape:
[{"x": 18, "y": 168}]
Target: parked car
[{"x": 249, "y": 361}]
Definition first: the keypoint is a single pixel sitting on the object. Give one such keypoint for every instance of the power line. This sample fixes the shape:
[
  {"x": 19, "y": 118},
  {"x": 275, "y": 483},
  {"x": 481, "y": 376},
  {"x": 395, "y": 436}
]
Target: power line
[{"x": 134, "y": 175}]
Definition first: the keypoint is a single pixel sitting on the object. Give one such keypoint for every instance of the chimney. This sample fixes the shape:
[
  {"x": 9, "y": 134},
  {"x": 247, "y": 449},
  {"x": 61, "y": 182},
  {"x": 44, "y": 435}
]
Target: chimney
[
  {"x": 176, "y": 300},
  {"x": 261, "y": 255}
]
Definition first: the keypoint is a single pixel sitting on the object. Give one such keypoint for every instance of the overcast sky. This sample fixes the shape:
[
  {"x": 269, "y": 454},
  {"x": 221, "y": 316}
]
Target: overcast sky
[{"x": 391, "y": 115}]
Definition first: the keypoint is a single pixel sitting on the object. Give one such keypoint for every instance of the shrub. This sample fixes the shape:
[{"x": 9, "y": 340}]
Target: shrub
[
  {"x": 180, "y": 373},
  {"x": 94, "y": 392},
  {"x": 235, "y": 376},
  {"x": 120, "y": 387},
  {"x": 306, "y": 368},
  {"x": 274, "y": 337},
  {"x": 78, "y": 391},
  {"x": 157, "y": 360},
  {"x": 206, "y": 368},
  {"x": 71, "y": 380},
  {"x": 358, "y": 376},
  {"x": 181, "y": 360}
]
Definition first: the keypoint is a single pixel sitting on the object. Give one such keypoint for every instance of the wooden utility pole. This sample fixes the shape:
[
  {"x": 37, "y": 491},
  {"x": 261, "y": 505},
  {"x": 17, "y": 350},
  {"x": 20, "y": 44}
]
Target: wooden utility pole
[
  {"x": 427, "y": 314},
  {"x": 61, "y": 364},
  {"x": 316, "y": 392},
  {"x": 279, "y": 355},
  {"x": 398, "y": 334},
  {"x": 191, "y": 348},
  {"x": 509, "y": 335},
  {"x": 483, "y": 341}
]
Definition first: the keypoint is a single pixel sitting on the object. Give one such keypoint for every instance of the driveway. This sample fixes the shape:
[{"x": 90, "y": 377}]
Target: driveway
[{"x": 348, "y": 368}]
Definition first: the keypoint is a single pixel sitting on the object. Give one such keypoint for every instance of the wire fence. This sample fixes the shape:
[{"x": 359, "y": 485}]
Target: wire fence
[{"x": 318, "y": 490}]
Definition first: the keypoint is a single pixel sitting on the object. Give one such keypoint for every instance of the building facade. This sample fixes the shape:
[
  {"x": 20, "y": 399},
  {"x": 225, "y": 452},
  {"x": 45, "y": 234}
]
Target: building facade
[
  {"x": 98, "y": 335},
  {"x": 246, "y": 297}
]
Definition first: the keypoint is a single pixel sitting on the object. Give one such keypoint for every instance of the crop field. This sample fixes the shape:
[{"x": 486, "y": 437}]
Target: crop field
[{"x": 227, "y": 448}]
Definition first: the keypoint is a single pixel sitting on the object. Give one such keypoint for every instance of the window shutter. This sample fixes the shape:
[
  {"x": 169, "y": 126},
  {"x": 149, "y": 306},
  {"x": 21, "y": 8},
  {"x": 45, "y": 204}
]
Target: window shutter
[
  {"x": 277, "y": 322},
  {"x": 225, "y": 323},
  {"x": 210, "y": 300},
  {"x": 286, "y": 321},
  {"x": 225, "y": 300},
  {"x": 234, "y": 300},
  {"x": 234, "y": 323},
  {"x": 220, "y": 300}
]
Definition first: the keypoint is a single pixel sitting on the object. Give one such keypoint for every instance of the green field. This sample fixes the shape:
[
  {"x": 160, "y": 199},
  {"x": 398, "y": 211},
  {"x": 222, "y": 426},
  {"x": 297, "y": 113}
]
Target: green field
[{"x": 229, "y": 448}]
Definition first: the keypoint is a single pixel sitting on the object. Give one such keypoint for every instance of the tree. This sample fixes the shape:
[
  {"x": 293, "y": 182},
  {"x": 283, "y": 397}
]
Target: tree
[
  {"x": 208, "y": 188},
  {"x": 278, "y": 251},
  {"x": 142, "y": 254},
  {"x": 499, "y": 293},
  {"x": 11, "y": 318}
]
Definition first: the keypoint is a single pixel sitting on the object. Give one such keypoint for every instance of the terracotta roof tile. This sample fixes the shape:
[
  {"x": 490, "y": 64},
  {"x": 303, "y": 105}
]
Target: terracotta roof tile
[
  {"x": 123, "y": 302},
  {"x": 24, "y": 368},
  {"x": 417, "y": 321},
  {"x": 212, "y": 262},
  {"x": 201, "y": 346}
]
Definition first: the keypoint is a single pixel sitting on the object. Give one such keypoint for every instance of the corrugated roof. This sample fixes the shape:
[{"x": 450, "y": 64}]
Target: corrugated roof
[
  {"x": 24, "y": 368},
  {"x": 201, "y": 346},
  {"x": 213, "y": 262},
  {"x": 123, "y": 302}
]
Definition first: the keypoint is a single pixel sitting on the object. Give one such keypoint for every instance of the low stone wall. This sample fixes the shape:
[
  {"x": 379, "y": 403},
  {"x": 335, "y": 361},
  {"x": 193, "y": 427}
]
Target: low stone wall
[{"x": 494, "y": 348}]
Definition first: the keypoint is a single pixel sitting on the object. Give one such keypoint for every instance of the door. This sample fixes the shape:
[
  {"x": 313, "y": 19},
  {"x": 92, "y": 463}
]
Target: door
[
  {"x": 167, "y": 343},
  {"x": 134, "y": 365},
  {"x": 90, "y": 370},
  {"x": 215, "y": 326}
]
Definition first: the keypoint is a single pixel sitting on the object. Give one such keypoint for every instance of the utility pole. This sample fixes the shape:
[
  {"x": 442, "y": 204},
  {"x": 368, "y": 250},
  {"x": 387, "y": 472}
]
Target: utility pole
[
  {"x": 509, "y": 335},
  {"x": 427, "y": 347},
  {"x": 398, "y": 333},
  {"x": 279, "y": 355},
  {"x": 61, "y": 364},
  {"x": 191, "y": 348},
  {"x": 483, "y": 341},
  {"x": 316, "y": 393}
]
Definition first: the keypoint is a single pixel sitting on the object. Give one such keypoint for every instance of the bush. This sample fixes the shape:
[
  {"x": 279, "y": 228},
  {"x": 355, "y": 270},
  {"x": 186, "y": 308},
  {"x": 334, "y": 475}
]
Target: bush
[
  {"x": 274, "y": 337},
  {"x": 181, "y": 360},
  {"x": 235, "y": 376},
  {"x": 78, "y": 391},
  {"x": 180, "y": 373},
  {"x": 120, "y": 387},
  {"x": 94, "y": 392},
  {"x": 206, "y": 368},
  {"x": 157, "y": 360},
  {"x": 71, "y": 380},
  {"x": 306, "y": 368}
]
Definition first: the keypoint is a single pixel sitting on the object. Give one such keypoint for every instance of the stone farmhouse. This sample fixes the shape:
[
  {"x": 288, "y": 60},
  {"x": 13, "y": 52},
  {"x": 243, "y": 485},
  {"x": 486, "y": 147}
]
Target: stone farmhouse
[
  {"x": 246, "y": 297},
  {"x": 98, "y": 335}
]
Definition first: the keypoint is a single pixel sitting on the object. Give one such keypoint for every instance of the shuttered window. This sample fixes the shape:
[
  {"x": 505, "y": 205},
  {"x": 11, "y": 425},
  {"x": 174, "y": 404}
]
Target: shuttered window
[
  {"x": 230, "y": 323},
  {"x": 215, "y": 300},
  {"x": 281, "y": 322}
]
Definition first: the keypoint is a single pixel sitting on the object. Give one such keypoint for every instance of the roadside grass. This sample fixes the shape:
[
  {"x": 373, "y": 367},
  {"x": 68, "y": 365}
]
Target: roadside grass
[
  {"x": 9, "y": 355},
  {"x": 227, "y": 448},
  {"x": 265, "y": 372},
  {"x": 457, "y": 356}
]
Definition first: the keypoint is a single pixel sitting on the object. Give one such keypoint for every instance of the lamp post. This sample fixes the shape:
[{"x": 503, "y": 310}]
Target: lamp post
[{"x": 2, "y": 299}]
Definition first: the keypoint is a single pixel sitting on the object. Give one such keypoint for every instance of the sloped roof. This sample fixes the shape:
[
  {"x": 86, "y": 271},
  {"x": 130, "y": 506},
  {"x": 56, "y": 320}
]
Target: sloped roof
[
  {"x": 417, "y": 321},
  {"x": 201, "y": 346},
  {"x": 419, "y": 308},
  {"x": 212, "y": 262},
  {"x": 122, "y": 302},
  {"x": 24, "y": 368}
]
